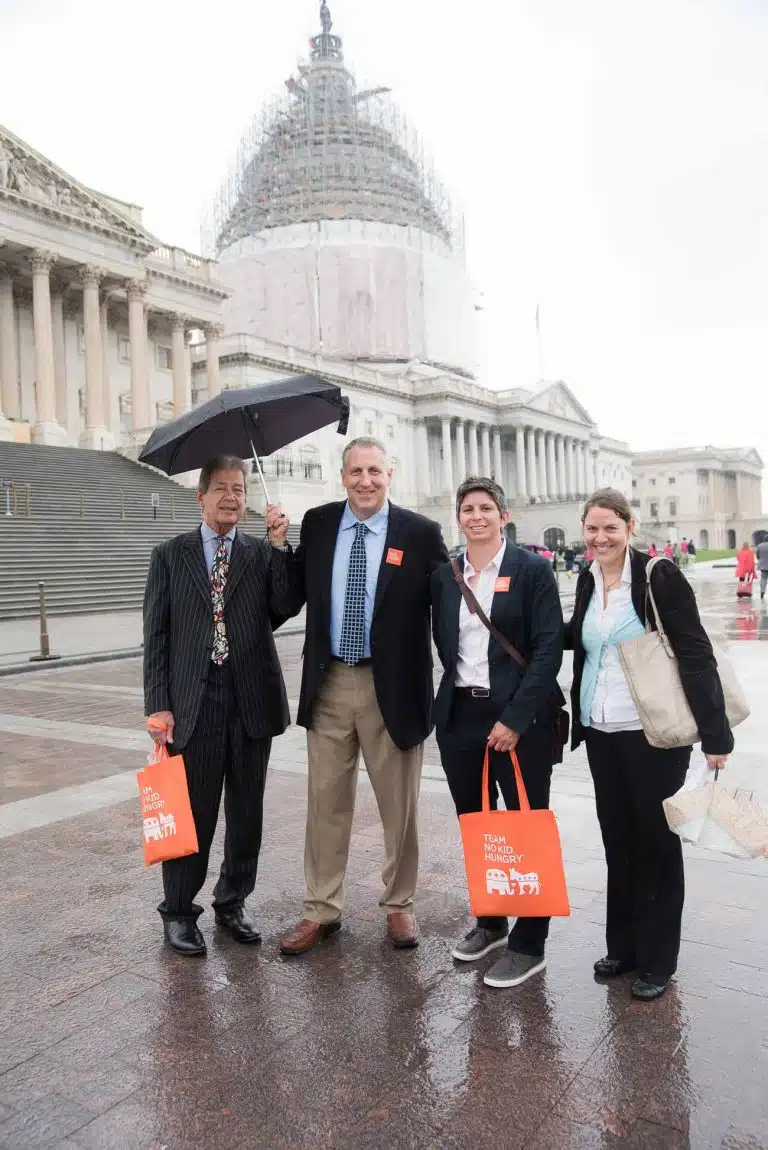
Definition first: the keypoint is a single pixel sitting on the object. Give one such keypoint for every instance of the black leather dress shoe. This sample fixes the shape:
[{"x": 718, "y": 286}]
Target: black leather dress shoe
[
  {"x": 239, "y": 925},
  {"x": 183, "y": 936},
  {"x": 610, "y": 967},
  {"x": 646, "y": 989}
]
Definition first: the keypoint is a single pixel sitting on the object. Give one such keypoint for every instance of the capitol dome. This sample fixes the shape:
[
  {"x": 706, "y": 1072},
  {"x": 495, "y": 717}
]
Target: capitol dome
[{"x": 333, "y": 232}]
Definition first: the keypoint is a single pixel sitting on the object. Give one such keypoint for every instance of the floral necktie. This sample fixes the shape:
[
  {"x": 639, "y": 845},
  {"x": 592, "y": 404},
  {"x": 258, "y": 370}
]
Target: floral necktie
[{"x": 219, "y": 573}]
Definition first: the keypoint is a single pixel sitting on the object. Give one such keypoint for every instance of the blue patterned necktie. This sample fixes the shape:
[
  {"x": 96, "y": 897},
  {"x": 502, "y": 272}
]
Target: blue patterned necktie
[
  {"x": 352, "y": 644},
  {"x": 219, "y": 572}
]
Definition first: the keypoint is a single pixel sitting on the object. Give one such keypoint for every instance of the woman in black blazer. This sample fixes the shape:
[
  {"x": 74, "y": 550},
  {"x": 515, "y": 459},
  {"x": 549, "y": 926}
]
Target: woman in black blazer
[
  {"x": 632, "y": 778},
  {"x": 486, "y": 700}
]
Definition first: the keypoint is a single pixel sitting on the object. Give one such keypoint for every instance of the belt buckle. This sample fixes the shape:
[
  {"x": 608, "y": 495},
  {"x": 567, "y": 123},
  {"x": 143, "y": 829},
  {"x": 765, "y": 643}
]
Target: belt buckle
[{"x": 480, "y": 693}]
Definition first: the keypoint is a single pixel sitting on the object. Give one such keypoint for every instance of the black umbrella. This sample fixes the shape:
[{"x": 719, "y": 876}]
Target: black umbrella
[{"x": 249, "y": 421}]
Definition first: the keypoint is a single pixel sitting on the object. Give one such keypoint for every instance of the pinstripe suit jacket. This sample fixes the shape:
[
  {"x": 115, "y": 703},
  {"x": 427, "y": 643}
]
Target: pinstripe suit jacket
[{"x": 261, "y": 593}]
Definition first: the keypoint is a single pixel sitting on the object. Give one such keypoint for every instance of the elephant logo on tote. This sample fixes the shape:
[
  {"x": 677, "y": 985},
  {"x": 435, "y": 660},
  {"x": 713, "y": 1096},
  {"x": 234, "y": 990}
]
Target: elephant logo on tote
[
  {"x": 498, "y": 881},
  {"x": 152, "y": 831}
]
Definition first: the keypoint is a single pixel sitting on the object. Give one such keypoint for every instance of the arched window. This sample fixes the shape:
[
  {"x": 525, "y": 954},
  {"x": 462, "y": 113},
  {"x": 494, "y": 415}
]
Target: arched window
[
  {"x": 554, "y": 538},
  {"x": 704, "y": 540}
]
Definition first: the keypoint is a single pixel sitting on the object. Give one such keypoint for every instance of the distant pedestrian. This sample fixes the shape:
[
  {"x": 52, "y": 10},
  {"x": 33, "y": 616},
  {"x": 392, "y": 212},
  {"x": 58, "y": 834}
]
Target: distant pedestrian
[
  {"x": 762, "y": 562},
  {"x": 746, "y": 571},
  {"x": 691, "y": 549},
  {"x": 213, "y": 689},
  {"x": 652, "y": 551},
  {"x": 669, "y": 550},
  {"x": 569, "y": 556}
]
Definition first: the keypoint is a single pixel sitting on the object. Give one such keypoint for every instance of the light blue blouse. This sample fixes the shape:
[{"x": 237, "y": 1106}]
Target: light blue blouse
[{"x": 595, "y": 637}]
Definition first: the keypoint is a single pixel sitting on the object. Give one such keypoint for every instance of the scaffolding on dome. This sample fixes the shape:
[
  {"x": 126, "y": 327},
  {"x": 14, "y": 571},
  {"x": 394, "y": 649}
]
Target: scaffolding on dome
[{"x": 328, "y": 151}]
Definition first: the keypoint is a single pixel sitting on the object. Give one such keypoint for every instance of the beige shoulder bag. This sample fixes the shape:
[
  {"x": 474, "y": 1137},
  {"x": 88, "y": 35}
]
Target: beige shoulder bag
[{"x": 653, "y": 676}]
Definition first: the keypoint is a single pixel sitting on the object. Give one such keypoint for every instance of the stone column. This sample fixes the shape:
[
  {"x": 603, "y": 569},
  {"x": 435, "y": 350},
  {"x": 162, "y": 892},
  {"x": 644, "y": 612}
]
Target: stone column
[
  {"x": 96, "y": 434},
  {"x": 461, "y": 453},
  {"x": 486, "y": 449},
  {"x": 212, "y": 335},
  {"x": 59, "y": 358},
  {"x": 137, "y": 330},
  {"x": 498, "y": 474},
  {"x": 111, "y": 397},
  {"x": 182, "y": 384},
  {"x": 422, "y": 457},
  {"x": 10, "y": 399},
  {"x": 595, "y": 470},
  {"x": 447, "y": 456},
  {"x": 540, "y": 462},
  {"x": 533, "y": 480},
  {"x": 522, "y": 487},
  {"x": 551, "y": 467},
  {"x": 562, "y": 484},
  {"x": 570, "y": 468},
  {"x": 46, "y": 429},
  {"x": 474, "y": 463},
  {"x": 583, "y": 469}
]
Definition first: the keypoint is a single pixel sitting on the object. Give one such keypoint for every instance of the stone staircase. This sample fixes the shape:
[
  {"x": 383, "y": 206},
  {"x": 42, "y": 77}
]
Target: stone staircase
[{"x": 83, "y": 523}]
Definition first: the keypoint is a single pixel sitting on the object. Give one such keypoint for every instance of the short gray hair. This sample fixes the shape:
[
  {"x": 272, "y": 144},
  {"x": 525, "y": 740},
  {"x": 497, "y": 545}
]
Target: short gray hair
[
  {"x": 482, "y": 483},
  {"x": 221, "y": 463},
  {"x": 361, "y": 441}
]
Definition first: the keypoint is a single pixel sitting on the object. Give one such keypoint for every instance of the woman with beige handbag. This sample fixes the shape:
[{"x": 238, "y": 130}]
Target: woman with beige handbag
[{"x": 631, "y": 775}]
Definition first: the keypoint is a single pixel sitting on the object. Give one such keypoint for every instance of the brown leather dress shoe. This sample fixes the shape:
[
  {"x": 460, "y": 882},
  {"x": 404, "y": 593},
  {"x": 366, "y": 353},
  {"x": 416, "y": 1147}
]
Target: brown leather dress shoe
[
  {"x": 403, "y": 929},
  {"x": 306, "y": 935}
]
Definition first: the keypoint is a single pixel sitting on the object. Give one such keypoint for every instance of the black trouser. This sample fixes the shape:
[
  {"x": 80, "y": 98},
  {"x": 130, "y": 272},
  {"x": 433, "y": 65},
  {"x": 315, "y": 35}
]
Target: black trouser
[
  {"x": 462, "y": 749},
  {"x": 220, "y": 750},
  {"x": 646, "y": 883}
]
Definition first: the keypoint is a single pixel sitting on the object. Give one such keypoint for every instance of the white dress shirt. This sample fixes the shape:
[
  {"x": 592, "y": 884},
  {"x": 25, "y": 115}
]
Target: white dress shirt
[
  {"x": 613, "y": 708},
  {"x": 472, "y": 666}
]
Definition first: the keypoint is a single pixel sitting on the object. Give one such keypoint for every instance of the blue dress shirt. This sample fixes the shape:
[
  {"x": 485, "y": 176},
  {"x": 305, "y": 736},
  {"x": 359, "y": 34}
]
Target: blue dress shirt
[
  {"x": 375, "y": 538},
  {"x": 211, "y": 542}
]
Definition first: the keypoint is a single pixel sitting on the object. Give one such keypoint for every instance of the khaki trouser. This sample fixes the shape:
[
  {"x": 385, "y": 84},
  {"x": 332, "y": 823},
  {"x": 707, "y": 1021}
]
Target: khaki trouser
[{"x": 345, "y": 721}]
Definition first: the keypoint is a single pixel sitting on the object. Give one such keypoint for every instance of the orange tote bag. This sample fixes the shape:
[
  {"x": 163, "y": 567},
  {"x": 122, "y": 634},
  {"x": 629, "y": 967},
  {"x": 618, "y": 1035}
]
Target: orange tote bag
[
  {"x": 167, "y": 822},
  {"x": 514, "y": 860}
]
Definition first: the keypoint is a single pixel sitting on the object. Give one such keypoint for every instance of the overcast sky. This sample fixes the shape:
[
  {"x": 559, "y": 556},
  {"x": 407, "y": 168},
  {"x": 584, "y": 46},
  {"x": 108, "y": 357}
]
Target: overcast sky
[{"x": 611, "y": 159}]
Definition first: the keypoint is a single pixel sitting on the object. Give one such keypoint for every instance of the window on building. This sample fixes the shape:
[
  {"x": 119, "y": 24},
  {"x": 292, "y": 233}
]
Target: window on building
[
  {"x": 368, "y": 427},
  {"x": 671, "y": 480},
  {"x": 652, "y": 482},
  {"x": 124, "y": 349},
  {"x": 673, "y": 508},
  {"x": 164, "y": 358},
  {"x": 390, "y": 431},
  {"x": 654, "y": 511},
  {"x": 634, "y": 483}
]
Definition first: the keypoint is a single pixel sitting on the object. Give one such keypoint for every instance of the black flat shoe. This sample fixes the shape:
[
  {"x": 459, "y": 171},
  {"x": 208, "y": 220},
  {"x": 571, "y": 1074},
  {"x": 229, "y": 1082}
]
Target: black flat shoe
[
  {"x": 646, "y": 989},
  {"x": 183, "y": 936},
  {"x": 239, "y": 925},
  {"x": 610, "y": 967}
]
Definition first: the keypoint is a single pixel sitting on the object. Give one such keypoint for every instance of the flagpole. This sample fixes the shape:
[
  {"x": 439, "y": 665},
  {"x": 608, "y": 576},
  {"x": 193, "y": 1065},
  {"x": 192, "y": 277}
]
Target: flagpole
[{"x": 539, "y": 344}]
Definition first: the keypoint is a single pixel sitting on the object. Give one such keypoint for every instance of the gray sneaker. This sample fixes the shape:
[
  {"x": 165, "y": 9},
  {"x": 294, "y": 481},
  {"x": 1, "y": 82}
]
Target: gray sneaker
[
  {"x": 513, "y": 969},
  {"x": 478, "y": 943}
]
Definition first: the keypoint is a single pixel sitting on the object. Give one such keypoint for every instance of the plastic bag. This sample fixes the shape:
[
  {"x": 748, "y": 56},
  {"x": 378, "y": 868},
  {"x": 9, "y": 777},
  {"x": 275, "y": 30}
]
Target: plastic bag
[{"x": 708, "y": 814}]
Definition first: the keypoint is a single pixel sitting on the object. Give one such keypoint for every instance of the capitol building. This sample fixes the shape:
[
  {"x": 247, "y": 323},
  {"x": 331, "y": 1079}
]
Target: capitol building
[{"x": 332, "y": 248}]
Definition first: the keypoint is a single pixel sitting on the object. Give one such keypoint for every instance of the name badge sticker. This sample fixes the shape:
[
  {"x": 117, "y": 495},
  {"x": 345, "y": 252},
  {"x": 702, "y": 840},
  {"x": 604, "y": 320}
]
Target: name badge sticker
[
  {"x": 395, "y": 557},
  {"x": 502, "y": 583}
]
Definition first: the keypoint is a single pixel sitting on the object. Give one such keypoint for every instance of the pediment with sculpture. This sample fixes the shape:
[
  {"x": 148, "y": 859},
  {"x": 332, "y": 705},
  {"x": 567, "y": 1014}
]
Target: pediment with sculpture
[
  {"x": 558, "y": 399},
  {"x": 29, "y": 179}
]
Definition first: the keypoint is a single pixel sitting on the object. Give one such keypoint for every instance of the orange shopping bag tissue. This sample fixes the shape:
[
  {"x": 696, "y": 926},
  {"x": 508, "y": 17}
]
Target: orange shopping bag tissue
[
  {"x": 514, "y": 860},
  {"x": 167, "y": 822}
]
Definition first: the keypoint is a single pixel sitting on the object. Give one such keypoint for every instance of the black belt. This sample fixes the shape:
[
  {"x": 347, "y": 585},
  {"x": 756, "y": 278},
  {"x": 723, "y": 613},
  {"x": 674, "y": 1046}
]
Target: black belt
[
  {"x": 359, "y": 663},
  {"x": 473, "y": 692}
]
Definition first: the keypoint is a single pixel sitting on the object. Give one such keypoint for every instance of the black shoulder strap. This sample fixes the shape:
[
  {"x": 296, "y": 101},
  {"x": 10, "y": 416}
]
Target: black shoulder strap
[{"x": 474, "y": 608}]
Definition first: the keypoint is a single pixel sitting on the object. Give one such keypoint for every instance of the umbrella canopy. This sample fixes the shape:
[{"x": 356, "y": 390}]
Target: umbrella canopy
[{"x": 249, "y": 421}]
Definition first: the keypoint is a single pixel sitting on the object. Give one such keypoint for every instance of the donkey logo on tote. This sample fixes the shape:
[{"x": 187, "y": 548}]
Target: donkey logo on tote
[{"x": 509, "y": 881}]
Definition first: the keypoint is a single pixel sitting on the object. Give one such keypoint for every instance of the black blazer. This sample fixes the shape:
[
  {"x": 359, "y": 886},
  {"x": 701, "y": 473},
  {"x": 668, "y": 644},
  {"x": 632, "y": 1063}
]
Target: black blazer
[
  {"x": 530, "y": 616},
  {"x": 400, "y": 638},
  {"x": 260, "y": 594},
  {"x": 679, "y": 613}
]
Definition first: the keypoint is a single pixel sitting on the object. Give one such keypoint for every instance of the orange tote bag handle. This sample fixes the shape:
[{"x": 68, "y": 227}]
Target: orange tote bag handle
[{"x": 522, "y": 794}]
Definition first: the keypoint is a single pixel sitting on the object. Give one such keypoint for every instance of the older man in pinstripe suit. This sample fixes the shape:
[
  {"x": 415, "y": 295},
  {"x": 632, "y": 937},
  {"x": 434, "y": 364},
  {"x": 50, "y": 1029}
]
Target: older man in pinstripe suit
[{"x": 213, "y": 688}]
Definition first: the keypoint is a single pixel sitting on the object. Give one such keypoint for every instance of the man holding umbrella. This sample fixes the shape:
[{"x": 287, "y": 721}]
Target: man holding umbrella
[
  {"x": 365, "y": 566},
  {"x": 214, "y": 688}
]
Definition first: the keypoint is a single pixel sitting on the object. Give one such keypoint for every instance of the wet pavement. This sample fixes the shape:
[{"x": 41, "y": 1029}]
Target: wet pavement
[{"x": 109, "y": 1040}]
